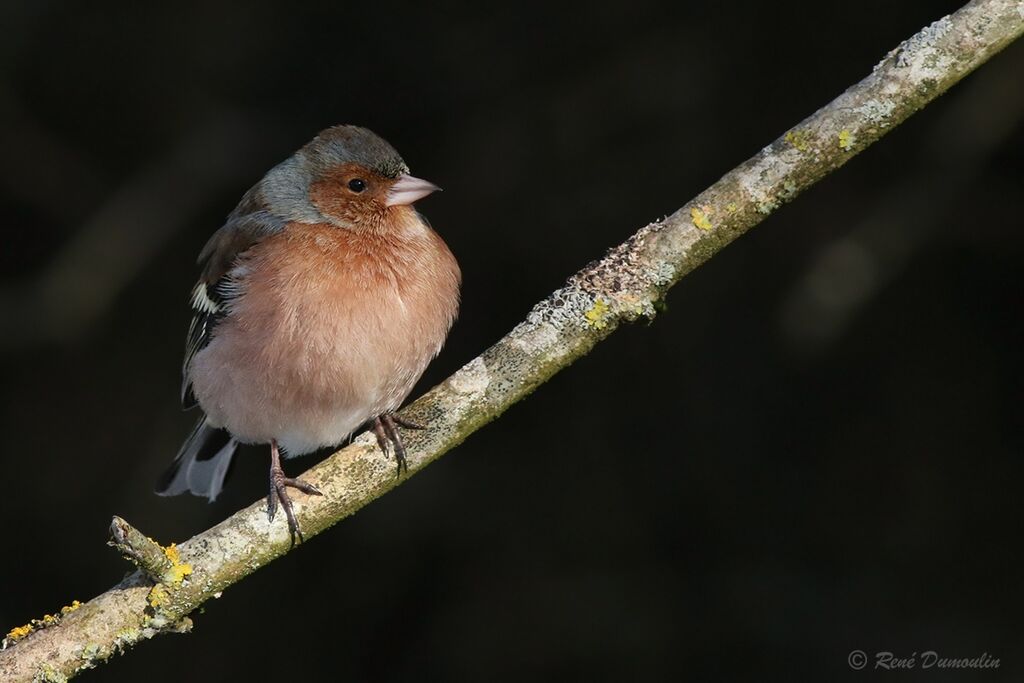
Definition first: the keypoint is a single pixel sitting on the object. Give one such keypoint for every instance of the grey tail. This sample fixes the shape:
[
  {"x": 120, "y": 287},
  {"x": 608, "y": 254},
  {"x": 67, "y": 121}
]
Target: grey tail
[{"x": 201, "y": 465}]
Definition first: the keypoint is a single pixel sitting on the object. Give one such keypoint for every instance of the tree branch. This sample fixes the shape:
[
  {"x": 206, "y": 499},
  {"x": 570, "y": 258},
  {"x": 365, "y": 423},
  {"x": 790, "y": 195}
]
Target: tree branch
[{"x": 628, "y": 283}]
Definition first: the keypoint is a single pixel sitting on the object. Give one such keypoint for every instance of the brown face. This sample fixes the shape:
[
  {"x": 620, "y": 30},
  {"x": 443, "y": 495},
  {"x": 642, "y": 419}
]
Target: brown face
[{"x": 352, "y": 194}]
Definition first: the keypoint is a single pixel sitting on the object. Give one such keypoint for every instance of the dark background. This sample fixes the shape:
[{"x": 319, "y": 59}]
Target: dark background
[{"x": 815, "y": 449}]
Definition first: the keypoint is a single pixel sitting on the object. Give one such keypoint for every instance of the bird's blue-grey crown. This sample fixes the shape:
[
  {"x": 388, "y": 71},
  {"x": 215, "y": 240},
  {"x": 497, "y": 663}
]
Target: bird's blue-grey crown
[
  {"x": 285, "y": 188},
  {"x": 352, "y": 144}
]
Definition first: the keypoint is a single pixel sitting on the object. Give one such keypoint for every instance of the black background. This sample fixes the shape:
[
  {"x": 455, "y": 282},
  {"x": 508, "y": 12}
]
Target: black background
[{"x": 815, "y": 449}]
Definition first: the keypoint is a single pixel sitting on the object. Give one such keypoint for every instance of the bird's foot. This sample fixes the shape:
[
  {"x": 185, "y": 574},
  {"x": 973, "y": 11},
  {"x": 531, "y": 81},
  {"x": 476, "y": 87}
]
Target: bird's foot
[
  {"x": 385, "y": 428},
  {"x": 279, "y": 484}
]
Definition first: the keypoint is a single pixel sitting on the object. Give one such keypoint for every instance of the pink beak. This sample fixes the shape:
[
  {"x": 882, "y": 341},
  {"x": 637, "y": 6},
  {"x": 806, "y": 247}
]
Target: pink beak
[{"x": 408, "y": 189}]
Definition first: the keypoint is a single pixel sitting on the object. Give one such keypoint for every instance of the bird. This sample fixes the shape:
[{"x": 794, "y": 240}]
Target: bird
[{"x": 319, "y": 304}]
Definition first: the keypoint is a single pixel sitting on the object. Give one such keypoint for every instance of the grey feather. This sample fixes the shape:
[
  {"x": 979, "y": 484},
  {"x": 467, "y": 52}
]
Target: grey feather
[
  {"x": 352, "y": 144},
  {"x": 195, "y": 470}
]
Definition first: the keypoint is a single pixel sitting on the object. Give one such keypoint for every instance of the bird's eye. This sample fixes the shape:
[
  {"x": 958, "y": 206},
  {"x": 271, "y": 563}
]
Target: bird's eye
[{"x": 357, "y": 185}]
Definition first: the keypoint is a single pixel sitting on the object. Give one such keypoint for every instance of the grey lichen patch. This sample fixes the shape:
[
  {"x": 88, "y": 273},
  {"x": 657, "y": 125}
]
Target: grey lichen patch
[
  {"x": 624, "y": 268},
  {"x": 789, "y": 190},
  {"x": 563, "y": 309},
  {"x": 91, "y": 655},
  {"x": 767, "y": 205},
  {"x": 91, "y": 651},
  {"x": 876, "y": 111},
  {"x": 47, "y": 674},
  {"x": 928, "y": 65},
  {"x": 663, "y": 274},
  {"x": 534, "y": 338},
  {"x": 471, "y": 380},
  {"x": 633, "y": 307},
  {"x": 924, "y": 41},
  {"x": 246, "y": 539},
  {"x": 625, "y": 283},
  {"x": 127, "y": 637},
  {"x": 759, "y": 180}
]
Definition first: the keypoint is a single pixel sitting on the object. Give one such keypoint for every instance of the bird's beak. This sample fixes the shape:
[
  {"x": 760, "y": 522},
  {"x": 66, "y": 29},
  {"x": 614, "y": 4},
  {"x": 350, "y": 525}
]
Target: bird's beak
[{"x": 408, "y": 189}]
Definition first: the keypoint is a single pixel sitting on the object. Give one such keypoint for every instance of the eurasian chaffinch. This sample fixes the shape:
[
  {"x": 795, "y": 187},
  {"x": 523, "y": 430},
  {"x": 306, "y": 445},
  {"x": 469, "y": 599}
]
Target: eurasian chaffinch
[{"x": 320, "y": 303}]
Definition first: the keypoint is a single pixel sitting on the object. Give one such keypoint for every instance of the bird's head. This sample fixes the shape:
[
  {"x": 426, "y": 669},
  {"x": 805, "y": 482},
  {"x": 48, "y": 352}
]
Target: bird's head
[{"x": 347, "y": 176}]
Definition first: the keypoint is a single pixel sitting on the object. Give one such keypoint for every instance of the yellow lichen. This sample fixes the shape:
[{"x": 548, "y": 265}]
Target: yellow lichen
[
  {"x": 47, "y": 620},
  {"x": 158, "y": 596},
  {"x": 67, "y": 609},
  {"x": 731, "y": 207},
  {"x": 799, "y": 139},
  {"x": 19, "y": 632},
  {"x": 179, "y": 570},
  {"x": 700, "y": 219},
  {"x": 172, "y": 554},
  {"x": 846, "y": 140},
  {"x": 595, "y": 315}
]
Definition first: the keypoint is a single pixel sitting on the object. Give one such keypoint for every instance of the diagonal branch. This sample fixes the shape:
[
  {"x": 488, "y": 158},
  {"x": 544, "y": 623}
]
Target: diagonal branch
[{"x": 626, "y": 284}]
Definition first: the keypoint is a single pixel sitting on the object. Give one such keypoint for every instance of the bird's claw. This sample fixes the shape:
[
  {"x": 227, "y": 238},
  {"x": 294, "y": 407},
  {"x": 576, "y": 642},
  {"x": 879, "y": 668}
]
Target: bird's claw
[
  {"x": 385, "y": 428},
  {"x": 279, "y": 485}
]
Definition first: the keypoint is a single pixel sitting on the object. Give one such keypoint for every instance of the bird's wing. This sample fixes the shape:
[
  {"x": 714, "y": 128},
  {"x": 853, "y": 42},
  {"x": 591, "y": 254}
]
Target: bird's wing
[
  {"x": 208, "y": 302},
  {"x": 248, "y": 224}
]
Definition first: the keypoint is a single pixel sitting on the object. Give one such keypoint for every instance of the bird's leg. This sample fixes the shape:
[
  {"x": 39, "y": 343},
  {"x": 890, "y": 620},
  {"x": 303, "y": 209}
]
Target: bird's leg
[
  {"x": 279, "y": 484},
  {"x": 385, "y": 428}
]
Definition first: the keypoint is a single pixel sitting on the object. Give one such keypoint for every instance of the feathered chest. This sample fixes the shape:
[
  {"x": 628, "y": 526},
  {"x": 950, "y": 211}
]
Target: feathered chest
[
  {"x": 316, "y": 288},
  {"x": 317, "y": 334}
]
